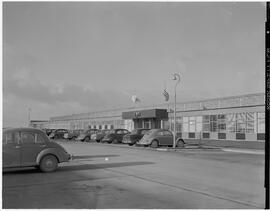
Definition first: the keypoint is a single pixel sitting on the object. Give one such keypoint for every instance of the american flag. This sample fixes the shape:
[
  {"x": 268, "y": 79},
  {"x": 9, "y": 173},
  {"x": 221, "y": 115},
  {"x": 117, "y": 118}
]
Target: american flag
[{"x": 166, "y": 95}]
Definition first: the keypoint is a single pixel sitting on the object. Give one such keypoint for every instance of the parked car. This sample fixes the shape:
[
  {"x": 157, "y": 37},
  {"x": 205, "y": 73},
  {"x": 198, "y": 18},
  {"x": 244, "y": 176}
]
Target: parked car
[
  {"x": 99, "y": 135},
  {"x": 72, "y": 134},
  {"x": 160, "y": 137},
  {"x": 47, "y": 131},
  {"x": 115, "y": 136},
  {"x": 57, "y": 134},
  {"x": 134, "y": 136},
  {"x": 86, "y": 135},
  {"x": 30, "y": 147}
]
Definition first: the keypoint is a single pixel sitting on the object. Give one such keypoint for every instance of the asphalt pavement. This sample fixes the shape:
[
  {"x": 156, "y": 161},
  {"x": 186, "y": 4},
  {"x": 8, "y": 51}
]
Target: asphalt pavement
[{"x": 105, "y": 176}]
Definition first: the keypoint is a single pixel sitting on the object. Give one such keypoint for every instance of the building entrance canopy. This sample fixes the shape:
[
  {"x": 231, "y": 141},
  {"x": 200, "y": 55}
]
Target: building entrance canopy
[{"x": 143, "y": 114}]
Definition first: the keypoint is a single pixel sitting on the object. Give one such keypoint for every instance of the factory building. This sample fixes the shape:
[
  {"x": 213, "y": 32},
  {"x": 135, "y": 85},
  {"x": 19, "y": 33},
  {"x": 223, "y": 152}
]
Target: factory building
[{"x": 236, "y": 118}]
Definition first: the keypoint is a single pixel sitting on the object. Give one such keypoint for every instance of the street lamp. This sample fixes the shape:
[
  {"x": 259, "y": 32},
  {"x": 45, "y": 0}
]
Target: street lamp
[{"x": 176, "y": 77}]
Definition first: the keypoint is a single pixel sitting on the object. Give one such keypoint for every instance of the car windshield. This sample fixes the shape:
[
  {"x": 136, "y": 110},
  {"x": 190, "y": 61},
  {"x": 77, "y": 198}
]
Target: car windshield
[
  {"x": 149, "y": 132},
  {"x": 134, "y": 131}
]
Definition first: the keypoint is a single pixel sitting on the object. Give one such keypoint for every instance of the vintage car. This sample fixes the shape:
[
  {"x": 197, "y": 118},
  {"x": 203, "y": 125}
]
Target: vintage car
[
  {"x": 99, "y": 135},
  {"x": 57, "y": 134},
  {"x": 72, "y": 134},
  {"x": 29, "y": 147},
  {"x": 134, "y": 136},
  {"x": 160, "y": 137},
  {"x": 86, "y": 135},
  {"x": 115, "y": 136}
]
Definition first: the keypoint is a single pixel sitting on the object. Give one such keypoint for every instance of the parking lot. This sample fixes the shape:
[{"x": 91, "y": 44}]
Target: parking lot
[{"x": 115, "y": 176}]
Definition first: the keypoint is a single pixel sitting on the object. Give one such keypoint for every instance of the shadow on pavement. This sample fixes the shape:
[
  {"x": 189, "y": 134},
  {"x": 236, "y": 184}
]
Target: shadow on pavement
[
  {"x": 93, "y": 156},
  {"x": 77, "y": 167}
]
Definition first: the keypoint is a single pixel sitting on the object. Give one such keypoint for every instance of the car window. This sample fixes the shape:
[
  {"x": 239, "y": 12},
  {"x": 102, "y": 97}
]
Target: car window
[
  {"x": 27, "y": 138},
  {"x": 144, "y": 131},
  {"x": 39, "y": 139},
  {"x": 125, "y": 132},
  {"x": 8, "y": 139},
  {"x": 167, "y": 133},
  {"x": 118, "y": 132}
]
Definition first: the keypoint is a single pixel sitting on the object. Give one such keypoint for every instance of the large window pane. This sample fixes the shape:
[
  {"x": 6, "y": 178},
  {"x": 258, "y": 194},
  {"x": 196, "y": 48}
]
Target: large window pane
[
  {"x": 206, "y": 127},
  {"x": 261, "y": 125}
]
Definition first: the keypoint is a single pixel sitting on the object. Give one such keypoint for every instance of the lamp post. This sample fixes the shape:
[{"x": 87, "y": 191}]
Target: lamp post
[{"x": 176, "y": 77}]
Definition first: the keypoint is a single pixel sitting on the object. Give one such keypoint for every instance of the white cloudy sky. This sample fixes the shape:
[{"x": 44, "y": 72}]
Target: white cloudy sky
[{"x": 63, "y": 58}]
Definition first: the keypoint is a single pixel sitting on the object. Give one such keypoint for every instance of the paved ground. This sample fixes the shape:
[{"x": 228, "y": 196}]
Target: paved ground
[{"x": 114, "y": 176}]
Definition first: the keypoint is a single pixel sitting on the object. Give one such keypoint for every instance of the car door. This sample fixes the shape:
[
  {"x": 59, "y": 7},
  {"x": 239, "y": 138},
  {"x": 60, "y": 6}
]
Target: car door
[
  {"x": 124, "y": 132},
  {"x": 160, "y": 137},
  {"x": 168, "y": 138},
  {"x": 11, "y": 149},
  {"x": 31, "y": 145},
  {"x": 119, "y": 135}
]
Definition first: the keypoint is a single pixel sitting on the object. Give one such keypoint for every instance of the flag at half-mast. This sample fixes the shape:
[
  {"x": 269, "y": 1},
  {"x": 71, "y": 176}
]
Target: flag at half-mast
[{"x": 166, "y": 95}]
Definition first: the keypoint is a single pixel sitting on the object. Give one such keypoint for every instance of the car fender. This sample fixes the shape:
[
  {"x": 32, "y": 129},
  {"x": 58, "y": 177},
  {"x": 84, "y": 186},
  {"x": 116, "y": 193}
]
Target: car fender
[
  {"x": 178, "y": 139},
  {"x": 44, "y": 152}
]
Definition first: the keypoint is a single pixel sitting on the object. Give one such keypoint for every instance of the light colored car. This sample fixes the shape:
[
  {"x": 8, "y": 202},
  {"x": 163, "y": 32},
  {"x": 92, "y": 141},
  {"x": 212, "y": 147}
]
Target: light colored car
[
  {"x": 86, "y": 135},
  {"x": 29, "y": 147},
  {"x": 160, "y": 137},
  {"x": 99, "y": 135}
]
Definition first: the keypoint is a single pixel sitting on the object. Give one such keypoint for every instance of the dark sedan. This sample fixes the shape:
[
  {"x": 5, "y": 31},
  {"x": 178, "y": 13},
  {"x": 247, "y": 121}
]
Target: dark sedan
[
  {"x": 134, "y": 136},
  {"x": 57, "y": 134},
  {"x": 29, "y": 147},
  {"x": 115, "y": 136}
]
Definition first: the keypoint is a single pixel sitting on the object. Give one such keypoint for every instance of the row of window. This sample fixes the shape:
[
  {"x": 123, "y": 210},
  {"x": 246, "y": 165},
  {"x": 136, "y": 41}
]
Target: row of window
[
  {"x": 248, "y": 122},
  {"x": 23, "y": 138}
]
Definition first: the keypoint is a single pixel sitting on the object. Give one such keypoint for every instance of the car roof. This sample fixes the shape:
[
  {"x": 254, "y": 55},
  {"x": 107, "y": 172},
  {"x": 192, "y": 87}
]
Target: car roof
[{"x": 25, "y": 129}]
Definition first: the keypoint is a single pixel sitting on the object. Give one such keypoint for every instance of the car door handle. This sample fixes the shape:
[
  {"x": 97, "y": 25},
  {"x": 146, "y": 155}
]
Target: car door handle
[{"x": 17, "y": 147}]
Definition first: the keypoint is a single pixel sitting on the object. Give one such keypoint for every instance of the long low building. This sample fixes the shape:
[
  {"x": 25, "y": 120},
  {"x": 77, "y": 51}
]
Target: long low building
[{"x": 236, "y": 118}]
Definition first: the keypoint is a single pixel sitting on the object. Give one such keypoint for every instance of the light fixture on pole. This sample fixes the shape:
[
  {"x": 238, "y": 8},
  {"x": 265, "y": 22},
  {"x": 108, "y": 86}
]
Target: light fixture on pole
[{"x": 176, "y": 77}]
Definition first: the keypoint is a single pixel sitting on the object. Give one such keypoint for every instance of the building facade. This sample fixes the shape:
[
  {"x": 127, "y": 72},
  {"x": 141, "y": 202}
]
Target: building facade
[{"x": 232, "y": 118}]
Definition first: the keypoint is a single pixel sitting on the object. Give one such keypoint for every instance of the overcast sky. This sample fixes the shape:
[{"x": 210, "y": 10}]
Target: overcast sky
[{"x": 64, "y": 58}]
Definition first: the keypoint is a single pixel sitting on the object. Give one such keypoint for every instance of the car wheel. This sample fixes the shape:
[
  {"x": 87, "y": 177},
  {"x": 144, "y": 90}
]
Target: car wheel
[
  {"x": 154, "y": 144},
  {"x": 98, "y": 141},
  {"x": 130, "y": 144},
  {"x": 48, "y": 163},
  {"x": 115, "y": 141},
  {"x": 180, "y": 144},
  {"x": 87, "y": 139}
]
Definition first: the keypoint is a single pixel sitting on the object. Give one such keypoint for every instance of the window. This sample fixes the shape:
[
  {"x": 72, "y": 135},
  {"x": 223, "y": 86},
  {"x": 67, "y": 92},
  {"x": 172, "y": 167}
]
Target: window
[
  {"x": 221, "y": 123},
  {"x": 167, "y": 133},
  {"x": 261, "y": 122},
  {"x": 7, "y": 138},
  {"x": 213, "y": 123},
  {"x": 241, "y": 122},
  {"x": 143, "y": 132},
  {"x": 118, "y": 132},
  {"x": 39, "y": 139},
  {"x": 27, "y": 138},
  {"x": 231, "y": 123},
  {"x": 206, "y": 123},
  {"x": 250, "y": 122}
]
